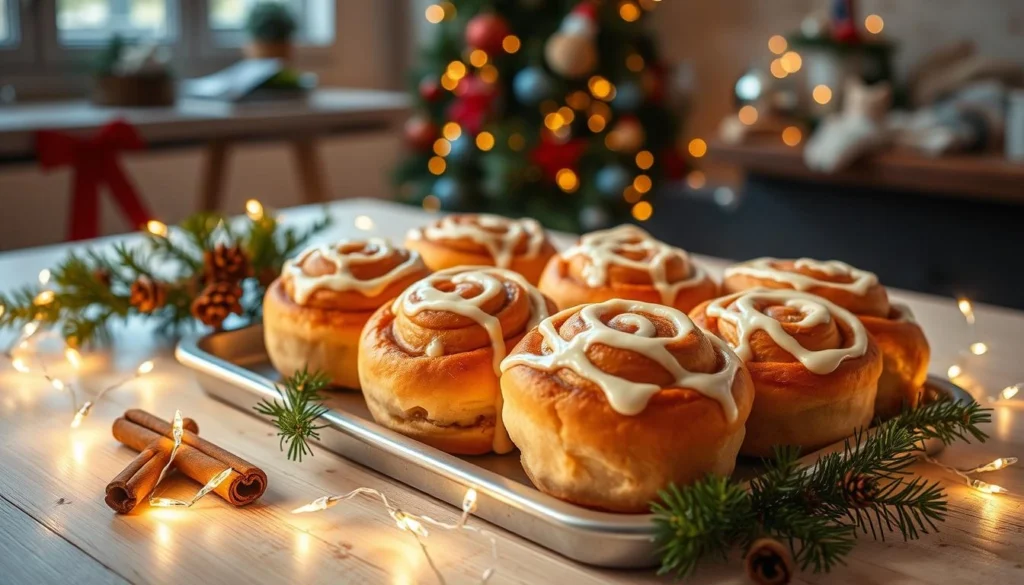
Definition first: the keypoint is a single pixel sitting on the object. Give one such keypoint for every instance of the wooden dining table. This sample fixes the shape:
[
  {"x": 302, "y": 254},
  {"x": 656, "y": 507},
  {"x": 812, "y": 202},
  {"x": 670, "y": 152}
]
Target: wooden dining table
[{"x": 55, "y": 527}]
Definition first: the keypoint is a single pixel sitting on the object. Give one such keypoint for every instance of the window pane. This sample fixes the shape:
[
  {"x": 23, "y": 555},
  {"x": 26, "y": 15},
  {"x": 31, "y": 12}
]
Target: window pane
[
  {"x": 95, "y": 21},
  {"x": 5, "y": 26},
  {"x": 315, "y": 19}
]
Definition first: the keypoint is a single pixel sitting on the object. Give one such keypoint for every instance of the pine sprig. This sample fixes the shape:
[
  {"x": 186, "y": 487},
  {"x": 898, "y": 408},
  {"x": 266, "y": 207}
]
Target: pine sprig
[
  {"x": 295, "y": 415},
  {"x": 819, "y": 509}
]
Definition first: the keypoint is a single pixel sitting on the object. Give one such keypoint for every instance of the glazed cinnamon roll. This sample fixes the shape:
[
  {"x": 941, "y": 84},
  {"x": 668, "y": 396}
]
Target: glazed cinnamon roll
[
  {"x": 313, "y": 313},
  {"x": 814, "y": 366},
  {"x": 610, "y": 402},
  {"x": 625, "y": 263},
  {"x": 428, "y": 362},
  {"x": 519, "y": 245},
  {"x": 903, "y": 344}
]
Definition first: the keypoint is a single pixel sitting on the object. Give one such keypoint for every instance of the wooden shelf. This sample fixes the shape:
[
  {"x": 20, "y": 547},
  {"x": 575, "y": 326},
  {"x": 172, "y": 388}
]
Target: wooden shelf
[{"x": 969, "y": 176}]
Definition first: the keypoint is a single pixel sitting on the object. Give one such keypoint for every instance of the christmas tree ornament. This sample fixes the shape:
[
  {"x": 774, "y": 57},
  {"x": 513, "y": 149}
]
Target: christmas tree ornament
[
  {"x": 611, "y": 180},
  {"x": 450, "y": 192},
  {"x": 462, "y": 148},
  {"x": 225, "y": 264},
  {"x": 768, "y": 562},
  {"x": 420, "y": 133},
  {"x": 844, "y": 25},
  {"x": 430, "y": 90},
  {"x": 147, "y": 295},
  {"x": 628, "y": 96},
  {"x": 532, "y": 86},
  {"x": 473, "y": 105},
  {"x": 572, "y": 50},
  {"x": 486, "y": 32},
  {"x": 552, "y": 156},
  {"x": 627, "y": 135},
  {"x": 216, "y": 302}
]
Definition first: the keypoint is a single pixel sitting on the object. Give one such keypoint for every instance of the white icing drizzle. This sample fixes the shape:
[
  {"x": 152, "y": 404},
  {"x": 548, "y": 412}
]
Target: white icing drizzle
[
  {"x": 625, "y": 396},
  {"x": 341, "y": 279},
  {"x": 500, "y": 244},
  {"x": 435, "y": 348},
  {"x": 603, "y": 249},
  {"x": 902, "y": 312},
  {"x": 765, "y": 268},
  {"x": 491, "y": 281},
  {"x": 741, "y": 310}
]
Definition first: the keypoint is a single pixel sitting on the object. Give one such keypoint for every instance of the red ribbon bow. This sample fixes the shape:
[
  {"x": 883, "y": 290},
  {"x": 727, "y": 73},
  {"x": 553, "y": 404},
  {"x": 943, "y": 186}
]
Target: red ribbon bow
[{"x": 94, "y": 162}]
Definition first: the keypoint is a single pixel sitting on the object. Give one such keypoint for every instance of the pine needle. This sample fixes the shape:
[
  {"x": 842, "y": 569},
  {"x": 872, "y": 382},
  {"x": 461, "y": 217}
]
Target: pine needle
[{"x": 296, "y": 414}]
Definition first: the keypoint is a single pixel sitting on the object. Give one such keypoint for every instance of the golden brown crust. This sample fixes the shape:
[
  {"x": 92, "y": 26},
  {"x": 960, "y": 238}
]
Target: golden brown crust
[
  {"x": 568, "y": 289},
  {"x": 446, "y": 401},
  {"x": 794, "y": 406},
  {"x": 903, "y": 344},
  {"x": 576, "y": 447}
]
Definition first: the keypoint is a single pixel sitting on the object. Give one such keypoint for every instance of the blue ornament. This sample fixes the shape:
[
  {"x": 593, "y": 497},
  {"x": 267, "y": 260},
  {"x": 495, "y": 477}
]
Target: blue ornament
[
  {"x": 532, "y": 86},
  {"x": 462, "y": 148},
  {"x": 450, "y": 193},
  {"x": 611, "y": 181},
  {"x": 628, "y": 96}
]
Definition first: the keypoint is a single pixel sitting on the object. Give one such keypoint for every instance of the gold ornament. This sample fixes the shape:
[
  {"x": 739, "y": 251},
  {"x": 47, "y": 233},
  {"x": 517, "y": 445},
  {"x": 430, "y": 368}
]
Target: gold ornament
[{"x": 571, "y": 56}]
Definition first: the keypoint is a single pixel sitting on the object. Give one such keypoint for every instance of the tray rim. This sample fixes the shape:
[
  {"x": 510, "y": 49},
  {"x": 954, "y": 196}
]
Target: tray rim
[{"x": 548, "y": 509}]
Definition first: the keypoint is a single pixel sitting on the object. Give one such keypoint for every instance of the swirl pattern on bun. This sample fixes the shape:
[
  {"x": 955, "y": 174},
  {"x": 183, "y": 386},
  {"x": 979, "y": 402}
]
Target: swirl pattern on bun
[{"x": 610, "y": 402}]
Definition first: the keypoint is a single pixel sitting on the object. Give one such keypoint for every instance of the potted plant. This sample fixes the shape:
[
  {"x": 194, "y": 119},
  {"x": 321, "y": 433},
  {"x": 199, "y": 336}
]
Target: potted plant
[
  {"x": 270, "y": 26},
  {"x": 127, "y": 74}
]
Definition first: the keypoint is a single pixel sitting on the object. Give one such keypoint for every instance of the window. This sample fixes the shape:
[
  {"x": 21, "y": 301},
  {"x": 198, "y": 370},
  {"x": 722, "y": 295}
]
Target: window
[
  {"x": 8, "y": 24},
  {"x": 91, "y": 22},
  {"x": 315, "y": 19}
]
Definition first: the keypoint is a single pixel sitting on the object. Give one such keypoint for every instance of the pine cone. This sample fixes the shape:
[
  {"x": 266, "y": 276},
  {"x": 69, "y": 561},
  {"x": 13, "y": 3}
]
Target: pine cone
[
  {"x": 769, "y": 562},
  {"x": 859, "y": 490},
  {"x": 216, "y": 302},
  {"x": 147, "y": 295},
  {"x": 225, "y": 264}
]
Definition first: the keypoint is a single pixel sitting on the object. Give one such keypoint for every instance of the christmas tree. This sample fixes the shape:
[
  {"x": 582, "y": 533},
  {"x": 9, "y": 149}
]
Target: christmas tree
[{"x": 553, "y": 109}]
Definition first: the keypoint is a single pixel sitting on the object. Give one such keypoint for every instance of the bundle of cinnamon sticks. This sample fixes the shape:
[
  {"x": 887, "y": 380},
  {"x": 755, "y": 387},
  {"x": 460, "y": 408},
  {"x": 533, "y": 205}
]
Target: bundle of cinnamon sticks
[{"x": 197, "y": 458}]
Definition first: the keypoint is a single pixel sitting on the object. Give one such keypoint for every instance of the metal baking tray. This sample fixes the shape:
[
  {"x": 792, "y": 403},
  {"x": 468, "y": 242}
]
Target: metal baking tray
[{"x": 233, "y": 366}]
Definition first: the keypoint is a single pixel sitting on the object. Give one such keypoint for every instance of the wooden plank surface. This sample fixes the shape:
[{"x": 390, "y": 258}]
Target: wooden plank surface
[{"x": 355, "y": 542}]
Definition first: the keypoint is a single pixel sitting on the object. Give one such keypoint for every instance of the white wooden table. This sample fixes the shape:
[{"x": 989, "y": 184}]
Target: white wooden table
[{"x": 54, "y": 525}]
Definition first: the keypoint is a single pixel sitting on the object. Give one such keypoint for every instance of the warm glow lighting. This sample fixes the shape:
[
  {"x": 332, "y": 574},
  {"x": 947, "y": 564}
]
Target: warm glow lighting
[
  {"x": 364, "y": 222},
  {"x": 822, "y": 94},
  {"x": 442, "y": 147},
  {"x": 431, "y": 203},
  {"x": 643, "y": 211},
  {"x": 635, "y": 63},
  {"x": 987, "y": 488},
  {"x": 77, "y": 421},
  {"x": 489, "y": 73},
  {"x": 748, "y": 115},
  {"x": 74, "y": 358},
  {"x": 449, "y": 83},
  {"x": 979, "y": 348},
  {"x": 406, "y": 522},
  {"x": 511, "y": 44},
  {"x": 58, "y": 384},
  {"x": 644, "y": 159},
  {"x": 554, "y": 121},
  {"x": 874, "y": 24},
  {"x": 777, "y": 44},
  {"x": 600, "y": 87},
  {"x": 631, "y": 195},
  {"x": 777, "y": 69},
  {"x": 629, "y": 12},
  {"x": 567, "y": 114},
  {"x": 954, "y": 371},
  {"x": 485, "y": 141},
  {"x": 995, "y": 465},
  {"x": 578, "y": 100},
  {"x": 436, "y": 165},
  {"x": 642, "y": 183},
  {"x": 434, "y": 13},
  {"x": 792, "y": 62},
  {"x": 567, "y": 180},
  {"x": 44, "y": 298},
  {"x": 517, "y": 141},
  {"x": 1009, "y": 392},
  {"x": 456, "y": 70},
  {"x": 157, "y": 228},
  {"x": 29, "y": 329},
  {"x": 254, "y": 209},
  {"x": 469, "y": 501},
  {"x": 20, "y": 365},
  {"x": 596, "y": 123},
  {"x": 144, "y": 368},
  {"x": 792, "y": 136},
  {"x": 478, "y": 58},
  {"x": 451, "y": 131},
  {"x": 697, "y": 148},
  {"x": 696, "y": 179},
  {"x": 967, "y": 309},
  {"x": 44, "y": 276}
]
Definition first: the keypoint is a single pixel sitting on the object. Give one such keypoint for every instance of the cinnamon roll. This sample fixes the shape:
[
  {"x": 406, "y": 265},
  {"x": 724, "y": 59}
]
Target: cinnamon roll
[
  {"x": 313, "y": 313},
  {"x": 611, "y": 402},
  {"x": 904, "y": 347},
  {"x": 428, "y": 362},
  {"x": 625, "y": 263},
  {"x": 520, "y": 245},
  {"x": 814, "y": 366}
]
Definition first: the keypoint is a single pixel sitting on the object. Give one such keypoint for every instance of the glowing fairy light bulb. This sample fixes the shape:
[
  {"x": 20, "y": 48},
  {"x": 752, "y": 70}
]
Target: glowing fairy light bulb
[
  {"x": 44, "y": 298},
  {"x": 58, "y": 384},
  {"x": 29, "y": 329},
  {"x": 469, "y": 501},
  {"x": 1009, "y": 392},
  {"x": 178, "y": 428},
  {"x": 996, "y": 465},
  {"x": 81, "y": 414},
  {"x": 167, "y": 503},
  {"x": 986, "y": 488},
  {"x": 954, "y": 371},
  {"x": 979, "y": 348},
  {"x": 409, "y": 524},
  {"x": 20, "y": 365},
  {"x": 44, "y": 276},
  {"x": 144, "y": 368},
  {"x": 157, "y": 228},
  {"x": 316, "y": 505},
  {"x": 254, "y": 209},
  {"x": 967, "y": 308},
  {"x": 364, "y": 222},
  {"x": 73, "y": 357}
]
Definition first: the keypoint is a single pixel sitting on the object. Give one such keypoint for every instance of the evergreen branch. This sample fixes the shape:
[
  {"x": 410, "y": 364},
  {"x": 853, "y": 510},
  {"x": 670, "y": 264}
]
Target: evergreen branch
[
  {"x": 948, "y": 421},
  {"x": 295, "y": 415}
]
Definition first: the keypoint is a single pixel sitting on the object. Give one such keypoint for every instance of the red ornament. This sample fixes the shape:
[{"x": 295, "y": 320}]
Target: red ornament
[
  {"x": 430, "y": 89},
  {"x": 486, "y": 32},
  {"x": 553, "y": 156},
  {"x": 474, "y": 103},
  {"x": 420, "y": 133}
]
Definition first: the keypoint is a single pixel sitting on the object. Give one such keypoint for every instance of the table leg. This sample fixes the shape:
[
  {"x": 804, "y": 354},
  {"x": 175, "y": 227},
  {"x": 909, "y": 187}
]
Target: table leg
[
  {"x": 311, "y": 177},
  {"x": 212, "y": 181}
]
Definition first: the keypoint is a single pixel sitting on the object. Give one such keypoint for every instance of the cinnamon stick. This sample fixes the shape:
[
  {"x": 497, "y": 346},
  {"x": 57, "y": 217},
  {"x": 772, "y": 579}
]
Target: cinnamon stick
[
  {"x": 137, "y": 480},
  {"x": 197, "y": 458}
]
